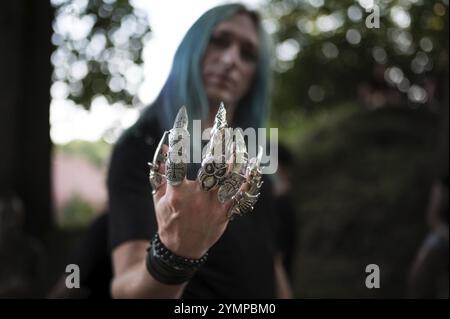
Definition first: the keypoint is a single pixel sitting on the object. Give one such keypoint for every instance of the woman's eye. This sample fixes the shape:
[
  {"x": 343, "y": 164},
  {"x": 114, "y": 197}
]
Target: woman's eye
[
  {"x": 219, "y": 41},
  {"x": 248, "y": 55}
]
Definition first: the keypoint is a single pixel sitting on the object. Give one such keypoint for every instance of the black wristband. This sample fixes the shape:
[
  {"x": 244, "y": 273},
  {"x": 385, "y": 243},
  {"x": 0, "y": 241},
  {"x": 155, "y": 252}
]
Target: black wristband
[{"x": 169, "y": 268}]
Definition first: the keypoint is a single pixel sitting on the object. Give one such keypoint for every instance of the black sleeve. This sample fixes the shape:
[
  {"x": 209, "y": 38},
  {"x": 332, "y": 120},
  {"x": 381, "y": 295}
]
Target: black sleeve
[
  {"x": 130, "y": 201},
  {"x": 287, "y": 233}
]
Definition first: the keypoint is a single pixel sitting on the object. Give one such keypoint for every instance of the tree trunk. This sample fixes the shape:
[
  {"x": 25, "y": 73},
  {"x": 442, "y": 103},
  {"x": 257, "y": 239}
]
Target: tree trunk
[{"x": 24, "y": 110}]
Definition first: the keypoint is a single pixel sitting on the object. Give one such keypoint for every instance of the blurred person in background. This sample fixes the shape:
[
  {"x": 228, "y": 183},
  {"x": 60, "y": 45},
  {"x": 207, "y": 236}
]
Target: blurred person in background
[
  {"x": 21, "y": 256},
  {"x": 429, "y": 273}
]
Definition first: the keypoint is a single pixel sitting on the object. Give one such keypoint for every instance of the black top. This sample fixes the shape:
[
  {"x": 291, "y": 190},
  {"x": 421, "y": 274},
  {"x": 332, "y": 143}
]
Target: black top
[
  {"x": 287, "y": 232},
  {"x": 240, "y": 264}
]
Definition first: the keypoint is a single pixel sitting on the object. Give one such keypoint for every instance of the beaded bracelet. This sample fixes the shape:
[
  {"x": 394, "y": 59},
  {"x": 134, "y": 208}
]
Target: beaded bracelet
[{"x": 169, "y": 268}]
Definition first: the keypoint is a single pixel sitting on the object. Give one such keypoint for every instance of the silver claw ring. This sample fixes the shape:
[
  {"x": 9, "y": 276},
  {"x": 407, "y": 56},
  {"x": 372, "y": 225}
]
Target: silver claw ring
[
  {"x": 176, "y": 165},
  {"x": 214, "y": 167},
  {"x": 245, "y": 201},
  {"x": 233, "y": 181},
  {"x": 159, "y": 158}
]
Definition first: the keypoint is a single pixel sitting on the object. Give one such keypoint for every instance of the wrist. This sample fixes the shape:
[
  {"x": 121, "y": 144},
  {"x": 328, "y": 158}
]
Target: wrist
[
  {"x": 168, "y": 267},
  {"x": 180, "y": 247}
]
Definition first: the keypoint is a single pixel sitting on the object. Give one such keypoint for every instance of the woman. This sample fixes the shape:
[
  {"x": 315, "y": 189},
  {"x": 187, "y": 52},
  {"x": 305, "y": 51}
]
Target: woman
[{"x": 223, "y": 57}]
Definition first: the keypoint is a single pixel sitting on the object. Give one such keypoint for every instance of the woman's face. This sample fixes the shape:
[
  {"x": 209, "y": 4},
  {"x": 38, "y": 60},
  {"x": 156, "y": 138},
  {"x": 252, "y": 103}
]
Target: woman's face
[{"x": 230, "y": 60}]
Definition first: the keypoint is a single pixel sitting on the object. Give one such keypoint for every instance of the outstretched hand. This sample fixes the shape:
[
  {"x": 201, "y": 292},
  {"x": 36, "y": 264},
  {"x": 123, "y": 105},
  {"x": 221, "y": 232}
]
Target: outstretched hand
[{"x": 193, "y": 215}]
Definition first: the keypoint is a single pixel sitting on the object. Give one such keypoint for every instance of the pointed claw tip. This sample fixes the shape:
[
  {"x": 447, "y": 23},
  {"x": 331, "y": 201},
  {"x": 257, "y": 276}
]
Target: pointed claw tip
[
  {"x": 220, "y": 120},
  {"x": 238, "y": 135},
  {"x": 183, "y": 110},
  {"x": 181, "y": 120},
  {"x": 259, "y": 156}
]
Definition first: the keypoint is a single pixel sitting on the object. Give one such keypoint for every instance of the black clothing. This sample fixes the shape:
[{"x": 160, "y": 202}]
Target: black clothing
[
  {"x": 93, "y": 257},
  {"x": 287, "y": 231}
]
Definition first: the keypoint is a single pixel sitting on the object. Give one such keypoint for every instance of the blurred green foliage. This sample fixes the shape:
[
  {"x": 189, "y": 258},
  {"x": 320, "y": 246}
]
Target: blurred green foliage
[
  {"x": 96, "y": 153},
  {"x": 76, "y": 213},
  {"x": 362, "y": 188},
  {"x": 360, "y": 108},
  {"x": 99, "y": 46},
  {"x": 327, "y": 54},
  {"x": 299, "y": 124}
]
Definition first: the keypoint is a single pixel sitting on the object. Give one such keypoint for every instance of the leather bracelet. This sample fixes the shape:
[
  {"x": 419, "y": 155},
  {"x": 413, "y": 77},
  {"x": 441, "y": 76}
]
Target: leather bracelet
[{"x": 169, "y": 268}]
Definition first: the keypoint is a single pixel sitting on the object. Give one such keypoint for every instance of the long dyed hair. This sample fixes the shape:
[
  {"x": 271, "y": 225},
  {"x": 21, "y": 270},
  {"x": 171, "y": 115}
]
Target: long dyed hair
[{"x": 184, "y": 85}]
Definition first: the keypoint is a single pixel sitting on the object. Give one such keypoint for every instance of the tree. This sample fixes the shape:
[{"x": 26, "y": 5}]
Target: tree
[
  {"x": 328, "y": 53},
  {"x": 24, "y": 120},
  {"x": 103, "y": 54}
]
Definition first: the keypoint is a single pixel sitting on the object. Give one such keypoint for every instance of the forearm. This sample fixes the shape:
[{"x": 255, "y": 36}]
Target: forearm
[
  {"x": 137, "y": 282},
  {"x": 283, "y": 288}
]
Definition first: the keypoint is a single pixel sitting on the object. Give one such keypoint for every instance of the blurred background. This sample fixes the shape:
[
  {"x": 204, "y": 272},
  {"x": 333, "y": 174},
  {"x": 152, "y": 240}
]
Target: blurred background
[{"x": 360, "y": 100}]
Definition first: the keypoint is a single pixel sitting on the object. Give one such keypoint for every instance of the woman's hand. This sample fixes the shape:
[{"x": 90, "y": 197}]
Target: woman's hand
[
  {"x": 190, "y": 220},
  {"x": 193, "y": 215}
]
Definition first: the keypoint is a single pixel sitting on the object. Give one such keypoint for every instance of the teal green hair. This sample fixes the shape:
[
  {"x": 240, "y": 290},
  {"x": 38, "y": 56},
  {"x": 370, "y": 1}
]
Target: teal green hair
[{"x": 184, "y": 85}]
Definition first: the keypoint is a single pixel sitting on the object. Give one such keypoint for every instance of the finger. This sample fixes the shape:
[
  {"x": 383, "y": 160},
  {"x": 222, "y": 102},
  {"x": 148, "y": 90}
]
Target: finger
[
  {"x": 231, "y": 184},
  {"x": 159, "y": 159},
  {"x": 176, "y": 164},
  {"x": 214, "y": 164},
  {"x": 211, "y": 173},
  {"x": 161, "y": 190},
  {"x": 248, "y": 195},
  {"x": 244, "y": 204},
  {"x": 164, "y": 152},
  {"x": 244, "y": 187},
  {"x": 244, "y": 201},
  {"x": 156, "y": 174}
]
